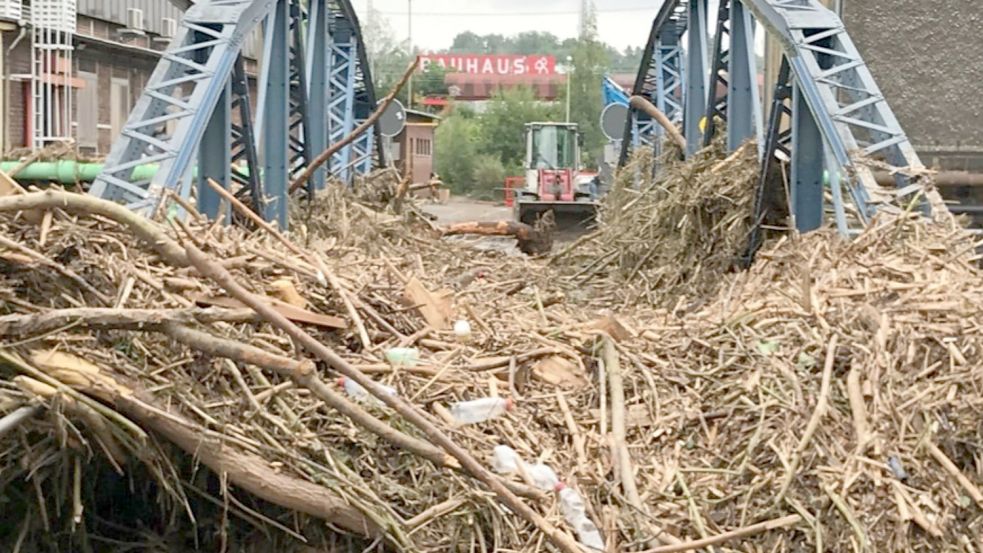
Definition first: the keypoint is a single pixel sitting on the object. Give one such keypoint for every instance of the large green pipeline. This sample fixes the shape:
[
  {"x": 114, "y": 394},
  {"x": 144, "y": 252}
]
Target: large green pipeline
[{"x": 70, "y": 171}]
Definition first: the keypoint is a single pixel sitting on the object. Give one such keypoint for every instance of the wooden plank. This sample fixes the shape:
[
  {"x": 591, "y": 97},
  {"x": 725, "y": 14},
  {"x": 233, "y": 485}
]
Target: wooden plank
[{"x": 434, "y": 308}]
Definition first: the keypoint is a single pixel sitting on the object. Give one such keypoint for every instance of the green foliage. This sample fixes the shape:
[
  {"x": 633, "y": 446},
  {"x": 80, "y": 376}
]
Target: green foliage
[
  {"x": 502, "y": 126},
  {"x": 489, "y": 177},
  {"x": 455, "y": 152},
  {"x": 430, "y": 82}
]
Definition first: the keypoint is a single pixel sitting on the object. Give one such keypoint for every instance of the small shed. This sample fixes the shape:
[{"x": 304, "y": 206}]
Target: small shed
[{"x": 415, "y": 145}]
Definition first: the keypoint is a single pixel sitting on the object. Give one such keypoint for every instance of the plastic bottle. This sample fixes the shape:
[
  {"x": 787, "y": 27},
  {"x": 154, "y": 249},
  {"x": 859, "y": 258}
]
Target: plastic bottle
[
  {"x": 403, "y": 357},
  {"x": 505, "y": 460},
  {"x": 588, "y": 534},
  {"x": 575, "y": 513},
  {"x": 360, "y": 394},
  {"x": 480, "y": 410},
  {"x": 571, "y": 505},
  {"x": 542, "y": 476}
]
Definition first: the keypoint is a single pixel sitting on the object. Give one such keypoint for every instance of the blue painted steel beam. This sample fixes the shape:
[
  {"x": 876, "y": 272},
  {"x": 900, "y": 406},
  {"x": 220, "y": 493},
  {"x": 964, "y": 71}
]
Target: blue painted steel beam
[
  {"x": 806, "y": 179},
  {"x": 341, "y": 102},
  {"x": 168, "y": 121},
  {"x": 660, "y": 78},
  {"x": 215, "y": 156},
  {"x": 274, "y": 115},
  {"x": 696, "y": 74},
  {"x": 318, "y": 70},
  {"x": 743, "y": 102}
]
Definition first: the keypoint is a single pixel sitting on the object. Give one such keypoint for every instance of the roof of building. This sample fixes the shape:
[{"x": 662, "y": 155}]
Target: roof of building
[{"x": 422, "y": 114}]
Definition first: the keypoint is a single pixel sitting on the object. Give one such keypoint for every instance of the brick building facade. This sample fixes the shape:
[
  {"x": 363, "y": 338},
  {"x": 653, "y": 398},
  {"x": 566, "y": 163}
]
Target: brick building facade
[{"x": 112, "y": 61}]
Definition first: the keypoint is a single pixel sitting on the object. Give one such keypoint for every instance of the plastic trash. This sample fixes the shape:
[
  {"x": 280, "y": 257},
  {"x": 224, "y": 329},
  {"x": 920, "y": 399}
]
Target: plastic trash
[
  {"x": 542, "y": 476},
  {"x": 575, "y": 513},
  {"x": 403, "y": 357},
  {"x": 462, "y": 330},
  {"x": 571, "y": 505},
  {"x": 588, "y": 534},
  {"x": 360, "y": 394},
  {"x": 480, "y": 410},
  {"x": 505, "y": 460}
]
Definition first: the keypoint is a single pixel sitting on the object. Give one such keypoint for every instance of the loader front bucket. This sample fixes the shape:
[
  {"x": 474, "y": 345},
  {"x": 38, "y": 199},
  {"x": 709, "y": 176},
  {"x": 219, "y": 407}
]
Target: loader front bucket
[{"x": 568, "y": 216}]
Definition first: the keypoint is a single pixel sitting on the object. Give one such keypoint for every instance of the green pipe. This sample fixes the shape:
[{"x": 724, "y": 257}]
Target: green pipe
[{"x": 69, "y": 171}]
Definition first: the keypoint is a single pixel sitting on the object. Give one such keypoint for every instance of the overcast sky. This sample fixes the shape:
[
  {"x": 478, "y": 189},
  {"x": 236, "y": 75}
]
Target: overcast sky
[{"x": 620, "y": 23}]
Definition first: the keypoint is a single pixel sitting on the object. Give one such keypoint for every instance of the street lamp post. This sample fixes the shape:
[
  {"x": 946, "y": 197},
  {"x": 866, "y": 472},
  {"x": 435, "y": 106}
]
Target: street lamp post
[{"x": 569, "y": 74}]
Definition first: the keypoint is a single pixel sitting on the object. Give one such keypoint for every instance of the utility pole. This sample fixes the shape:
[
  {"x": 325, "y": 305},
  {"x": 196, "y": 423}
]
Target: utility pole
[
  {"x": 409, "y": 32},
  {"x": 569, "y": 75}
]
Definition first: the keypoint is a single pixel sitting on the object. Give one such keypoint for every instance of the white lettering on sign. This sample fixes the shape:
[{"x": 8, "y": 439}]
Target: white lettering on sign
[{"x": 476, "y": 64}]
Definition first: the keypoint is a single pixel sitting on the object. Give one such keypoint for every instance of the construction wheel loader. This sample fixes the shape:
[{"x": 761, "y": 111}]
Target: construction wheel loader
[{"x": 553, "y": 180}]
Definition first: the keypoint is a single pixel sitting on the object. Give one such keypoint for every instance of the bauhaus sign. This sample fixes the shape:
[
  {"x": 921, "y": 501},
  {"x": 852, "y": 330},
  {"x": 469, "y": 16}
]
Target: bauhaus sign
[{"x": 478, "y": 64}]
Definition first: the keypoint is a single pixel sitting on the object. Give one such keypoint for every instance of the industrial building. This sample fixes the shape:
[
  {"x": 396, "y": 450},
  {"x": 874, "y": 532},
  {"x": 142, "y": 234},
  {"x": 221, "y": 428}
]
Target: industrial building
[{"x": 74, "y": 69}]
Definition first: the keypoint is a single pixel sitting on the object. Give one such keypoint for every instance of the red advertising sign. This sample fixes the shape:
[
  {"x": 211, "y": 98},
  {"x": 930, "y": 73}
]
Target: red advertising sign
[{"x": 479, "y": 64}]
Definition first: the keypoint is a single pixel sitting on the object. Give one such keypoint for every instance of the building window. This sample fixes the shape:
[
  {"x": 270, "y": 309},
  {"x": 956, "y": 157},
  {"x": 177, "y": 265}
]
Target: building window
[{"x": 421, "y": 146}]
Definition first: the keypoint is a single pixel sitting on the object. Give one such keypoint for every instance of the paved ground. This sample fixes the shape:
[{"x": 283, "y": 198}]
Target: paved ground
[{"x": 459, "y": 209}]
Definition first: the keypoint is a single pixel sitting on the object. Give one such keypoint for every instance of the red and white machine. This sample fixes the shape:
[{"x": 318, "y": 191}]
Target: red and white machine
[{"x": 553, "y": 179}]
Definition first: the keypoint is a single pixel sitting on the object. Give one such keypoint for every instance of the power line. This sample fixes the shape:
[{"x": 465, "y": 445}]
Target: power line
[{"x": 516, "y": 13}]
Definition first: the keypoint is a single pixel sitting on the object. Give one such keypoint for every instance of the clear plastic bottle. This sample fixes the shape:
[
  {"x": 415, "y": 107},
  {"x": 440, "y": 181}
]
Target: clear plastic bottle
[
  {"x": 571, "y": 505},
  {"x": 480, "y": 410},
  {"x": 575, "y": 513},
  {"x": 505, "y": 460},
  {"x": 542, "y": 476},
  {"x": 360, "y": 394},
  {"x": 588, "y": 534}
]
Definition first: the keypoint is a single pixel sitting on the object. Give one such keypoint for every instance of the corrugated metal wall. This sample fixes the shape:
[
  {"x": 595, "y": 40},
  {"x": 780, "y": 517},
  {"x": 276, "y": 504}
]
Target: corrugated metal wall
[{"x": 115, "y": 10}]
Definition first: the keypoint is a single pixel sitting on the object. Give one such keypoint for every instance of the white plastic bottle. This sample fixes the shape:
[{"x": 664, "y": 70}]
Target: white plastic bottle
[
  {"x": 480, "y": 410},
  {"x": 505, "y": 460},
  {"x": 571, "y": 505},
  {"x": 360, "y": 394},
  {"x": 588, "y": 534},
  {"x": 542, "y": 476},
  {"x": 575, "y": 513}
]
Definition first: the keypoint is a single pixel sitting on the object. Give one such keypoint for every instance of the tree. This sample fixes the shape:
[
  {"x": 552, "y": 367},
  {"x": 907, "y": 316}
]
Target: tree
[
  {"x": 431, "y": 82},
  {"x": 502, "y": 126},
  {"x": 455, "y": 151},
  {"x": 388, "y": 57}
]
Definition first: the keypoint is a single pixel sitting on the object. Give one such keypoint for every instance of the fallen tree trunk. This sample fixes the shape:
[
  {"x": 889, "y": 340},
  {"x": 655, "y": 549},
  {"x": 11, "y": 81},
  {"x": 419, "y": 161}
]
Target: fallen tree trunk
[
  {"x": 531, "y": 241},
  {"x": 244, "y": 470},
  {"x": 109, "y": 317},
  {"x": 643, "y": 105}
]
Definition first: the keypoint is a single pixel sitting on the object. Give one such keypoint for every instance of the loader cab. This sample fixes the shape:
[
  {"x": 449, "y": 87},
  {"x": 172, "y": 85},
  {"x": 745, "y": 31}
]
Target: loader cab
[
  {"x": 552, "y": 146},
  {"x": 552, "y": 161}
]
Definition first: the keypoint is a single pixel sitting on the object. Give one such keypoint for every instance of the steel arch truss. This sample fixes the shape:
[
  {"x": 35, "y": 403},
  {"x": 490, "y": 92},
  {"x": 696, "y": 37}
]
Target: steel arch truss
[
  {"x": 660, "y": 78},
  {"x": 194, "y": 116},
  {"x": 834, "y": 108}
]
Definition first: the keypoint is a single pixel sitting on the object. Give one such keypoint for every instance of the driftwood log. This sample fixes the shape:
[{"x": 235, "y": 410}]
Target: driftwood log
[
  {"x": 245, "y": 470},
  {"x": 531, "y": 240}
]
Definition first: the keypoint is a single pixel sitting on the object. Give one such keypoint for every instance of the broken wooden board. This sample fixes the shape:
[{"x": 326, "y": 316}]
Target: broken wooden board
[
  {"x": 636, "y": 416},
  {"x": 285, "y": 290},
  {"x": 560, "y": 371},
  {"x": 435, "y": 308},
  {"x": 10, "y": 187},
  {"x": 291, "y": 312},
  {"x": 613, "y": 327}
]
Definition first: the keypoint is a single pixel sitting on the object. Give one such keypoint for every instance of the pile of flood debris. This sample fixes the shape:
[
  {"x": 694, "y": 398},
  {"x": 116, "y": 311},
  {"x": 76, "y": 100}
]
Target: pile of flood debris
[{"x": 183, "y": 385}]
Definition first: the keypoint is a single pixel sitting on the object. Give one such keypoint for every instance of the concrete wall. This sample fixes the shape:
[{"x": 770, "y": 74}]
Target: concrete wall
[{"x": 926, "y": 57}]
